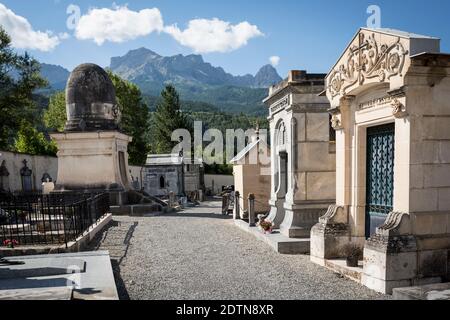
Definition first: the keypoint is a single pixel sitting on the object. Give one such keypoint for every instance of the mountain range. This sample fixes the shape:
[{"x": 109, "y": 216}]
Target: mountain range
[
  {"x": 195, "y": 79},
  {"x": 143, "y": 65}
]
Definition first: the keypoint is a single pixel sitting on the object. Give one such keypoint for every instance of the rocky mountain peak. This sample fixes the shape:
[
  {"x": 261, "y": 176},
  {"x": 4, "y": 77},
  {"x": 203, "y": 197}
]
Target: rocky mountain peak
[{"x": 267, "y": 76}]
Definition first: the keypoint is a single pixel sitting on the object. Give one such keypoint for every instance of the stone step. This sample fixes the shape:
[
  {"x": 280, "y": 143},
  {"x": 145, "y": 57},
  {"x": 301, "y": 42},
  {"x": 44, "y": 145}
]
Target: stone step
[
  {"x": 340, "y": 266},
  {"x": 279, "y": 242}
]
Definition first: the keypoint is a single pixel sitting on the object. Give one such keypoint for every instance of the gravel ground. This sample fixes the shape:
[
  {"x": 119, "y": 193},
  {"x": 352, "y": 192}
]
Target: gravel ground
[{"x": 200, "y": 254}]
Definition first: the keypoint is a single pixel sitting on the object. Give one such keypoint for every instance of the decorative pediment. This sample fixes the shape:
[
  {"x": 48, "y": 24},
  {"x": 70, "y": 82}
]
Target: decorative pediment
[{"x": 367, "y": 58}]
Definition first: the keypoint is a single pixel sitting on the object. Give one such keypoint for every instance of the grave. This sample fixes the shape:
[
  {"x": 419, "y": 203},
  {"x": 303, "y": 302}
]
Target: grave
[
  {"x": 92, "y": 150},
  {"x": 82, "y": 276}
]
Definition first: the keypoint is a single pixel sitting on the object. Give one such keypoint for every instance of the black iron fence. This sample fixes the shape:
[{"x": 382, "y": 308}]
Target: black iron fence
[{"x": 54, "y": 219}]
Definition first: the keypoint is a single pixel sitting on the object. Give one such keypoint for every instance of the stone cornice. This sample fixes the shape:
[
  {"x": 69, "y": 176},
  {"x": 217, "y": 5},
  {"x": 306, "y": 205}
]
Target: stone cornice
[{"x": 398, "y": 92}]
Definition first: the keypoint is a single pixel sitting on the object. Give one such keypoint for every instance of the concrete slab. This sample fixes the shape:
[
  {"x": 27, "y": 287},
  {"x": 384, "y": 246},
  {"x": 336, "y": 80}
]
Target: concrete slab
[
  {"x": 94, "y": 282},
  {"x": 440, "y": 291},
  {"x": 42, "y": 268},
  {"x": 279, "y": 242},
  {"x": 37, "y": 294}
]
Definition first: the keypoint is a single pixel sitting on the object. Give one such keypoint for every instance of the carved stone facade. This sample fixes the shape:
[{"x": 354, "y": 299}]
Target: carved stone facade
[
  {"x": 302, "y": 188},
  {"x": 389, "y": 106}
]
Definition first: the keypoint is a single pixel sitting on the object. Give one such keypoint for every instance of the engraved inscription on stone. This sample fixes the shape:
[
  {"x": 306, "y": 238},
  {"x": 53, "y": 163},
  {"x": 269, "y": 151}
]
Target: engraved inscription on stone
[
  {"x": 279, "y": 105},
  {"x": 375, "y": 103}
]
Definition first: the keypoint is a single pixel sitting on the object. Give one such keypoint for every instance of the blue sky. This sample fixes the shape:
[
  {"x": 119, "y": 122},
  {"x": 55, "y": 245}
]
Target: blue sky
[{"x": 304, "y": 34}]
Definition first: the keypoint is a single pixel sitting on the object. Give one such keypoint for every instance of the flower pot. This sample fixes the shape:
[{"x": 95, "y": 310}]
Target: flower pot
[{"x": 352, "y": 262}]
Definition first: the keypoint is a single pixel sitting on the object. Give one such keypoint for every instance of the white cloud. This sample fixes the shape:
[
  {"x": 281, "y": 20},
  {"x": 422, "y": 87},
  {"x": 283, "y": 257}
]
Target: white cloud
[
  {"x": 22, "y": 34},
  {"x": 214, "y": 35},
  {"x": 63, "y": 35},
  {"x": 118, "y": 24},
  {"x": 274, "y": 60}
]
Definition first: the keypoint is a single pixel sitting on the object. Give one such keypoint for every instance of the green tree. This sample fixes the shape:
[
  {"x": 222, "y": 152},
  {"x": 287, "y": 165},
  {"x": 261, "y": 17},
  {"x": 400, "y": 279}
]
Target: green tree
[
  {"x": 167, "y": 118},
  {"x": 19, "y": 77},
  {"x": 31, "y": 141},
  {"x": 55, "y": 116},
  {"x": 135, "y": 118}
]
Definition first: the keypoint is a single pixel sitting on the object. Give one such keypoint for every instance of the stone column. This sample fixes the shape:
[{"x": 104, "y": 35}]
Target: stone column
[
  {"x": 251, "y": 210},
  {"x": 237, "y": 209},
  {"x": 333, "y": 231}
]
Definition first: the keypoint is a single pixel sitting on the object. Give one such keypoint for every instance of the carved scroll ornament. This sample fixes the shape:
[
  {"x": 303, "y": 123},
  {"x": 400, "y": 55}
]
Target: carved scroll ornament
[{"x": 366, "y": 61}]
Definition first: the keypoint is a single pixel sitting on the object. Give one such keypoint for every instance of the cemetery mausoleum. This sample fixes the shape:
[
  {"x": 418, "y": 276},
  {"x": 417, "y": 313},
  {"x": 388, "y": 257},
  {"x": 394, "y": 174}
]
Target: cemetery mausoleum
[
  {"x": 389, "y": 94},
  {"x": 302, "y": 186},
  {"x": 251, "y": 172}
]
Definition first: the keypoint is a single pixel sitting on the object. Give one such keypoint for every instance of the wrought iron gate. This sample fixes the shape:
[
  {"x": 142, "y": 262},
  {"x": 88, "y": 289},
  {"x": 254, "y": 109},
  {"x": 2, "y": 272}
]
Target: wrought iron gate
[{"x": 380, "y": 175}]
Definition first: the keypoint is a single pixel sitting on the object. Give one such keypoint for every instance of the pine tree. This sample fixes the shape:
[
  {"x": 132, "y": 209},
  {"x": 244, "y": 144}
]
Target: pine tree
[{"x": 168, "y": 118}]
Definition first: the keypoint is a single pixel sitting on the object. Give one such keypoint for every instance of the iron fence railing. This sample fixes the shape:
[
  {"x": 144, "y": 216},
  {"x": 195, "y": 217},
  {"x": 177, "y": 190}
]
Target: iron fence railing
[{"x": 54, "y": 219}]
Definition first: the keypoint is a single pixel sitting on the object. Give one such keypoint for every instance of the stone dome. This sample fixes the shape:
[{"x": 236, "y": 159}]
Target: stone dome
[{"x": 90, "y": 100}]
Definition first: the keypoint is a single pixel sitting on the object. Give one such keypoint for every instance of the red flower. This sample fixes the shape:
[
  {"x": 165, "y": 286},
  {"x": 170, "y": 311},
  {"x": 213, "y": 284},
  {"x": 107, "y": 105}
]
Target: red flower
[{"x": 10, "y": 243}]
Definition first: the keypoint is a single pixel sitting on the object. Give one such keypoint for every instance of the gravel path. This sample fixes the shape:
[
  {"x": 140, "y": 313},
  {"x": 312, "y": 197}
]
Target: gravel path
[{"x": 199, "y": 254}]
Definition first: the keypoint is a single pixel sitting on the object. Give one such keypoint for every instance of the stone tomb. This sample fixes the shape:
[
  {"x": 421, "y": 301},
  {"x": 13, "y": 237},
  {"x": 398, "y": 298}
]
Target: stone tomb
[
  {"x": 302, "y": 154},
  {"x": 389, "y": 95},
  {"x": 251, "y": 171},
  {"x": 92, "y": 151},
  {"x": 166, "y": 173},
  {"x": 68, "y": 276}
]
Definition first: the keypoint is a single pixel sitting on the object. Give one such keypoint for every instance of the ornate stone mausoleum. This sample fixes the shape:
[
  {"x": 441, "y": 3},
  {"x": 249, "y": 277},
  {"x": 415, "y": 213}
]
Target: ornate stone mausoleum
[
  {"x": 302, "y": 154},
  {"x": 92, "y": 151},
  {"x": 389, "y": 95}
]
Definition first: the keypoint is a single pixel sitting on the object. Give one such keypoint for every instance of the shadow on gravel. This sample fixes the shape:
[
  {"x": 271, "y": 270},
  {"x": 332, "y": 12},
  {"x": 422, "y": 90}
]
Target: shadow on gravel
[
  {"x": 121, "y": 287},
  {"x": 95, "y": 244},
  {"x": 117, "y": 261},
  {"x": 127, "y": 240},
  {"x": 198, "y": 215}
]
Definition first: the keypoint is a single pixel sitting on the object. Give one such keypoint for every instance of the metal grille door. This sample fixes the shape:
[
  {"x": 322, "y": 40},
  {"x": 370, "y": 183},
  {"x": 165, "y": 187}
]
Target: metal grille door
[{"x": 380, "y": 175}]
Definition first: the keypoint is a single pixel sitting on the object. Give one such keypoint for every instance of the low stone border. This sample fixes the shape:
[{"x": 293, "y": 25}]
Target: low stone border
[
  {"x": 277, "y": 241},
  {"x": 73, "y": 246}
]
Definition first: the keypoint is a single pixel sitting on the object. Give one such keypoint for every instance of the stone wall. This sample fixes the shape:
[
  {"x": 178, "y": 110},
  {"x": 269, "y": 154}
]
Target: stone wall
[
  {"x": 39, "y": 166},
  {"x": 216, "y": 181},
  {"x": 428, "y": 97}
]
